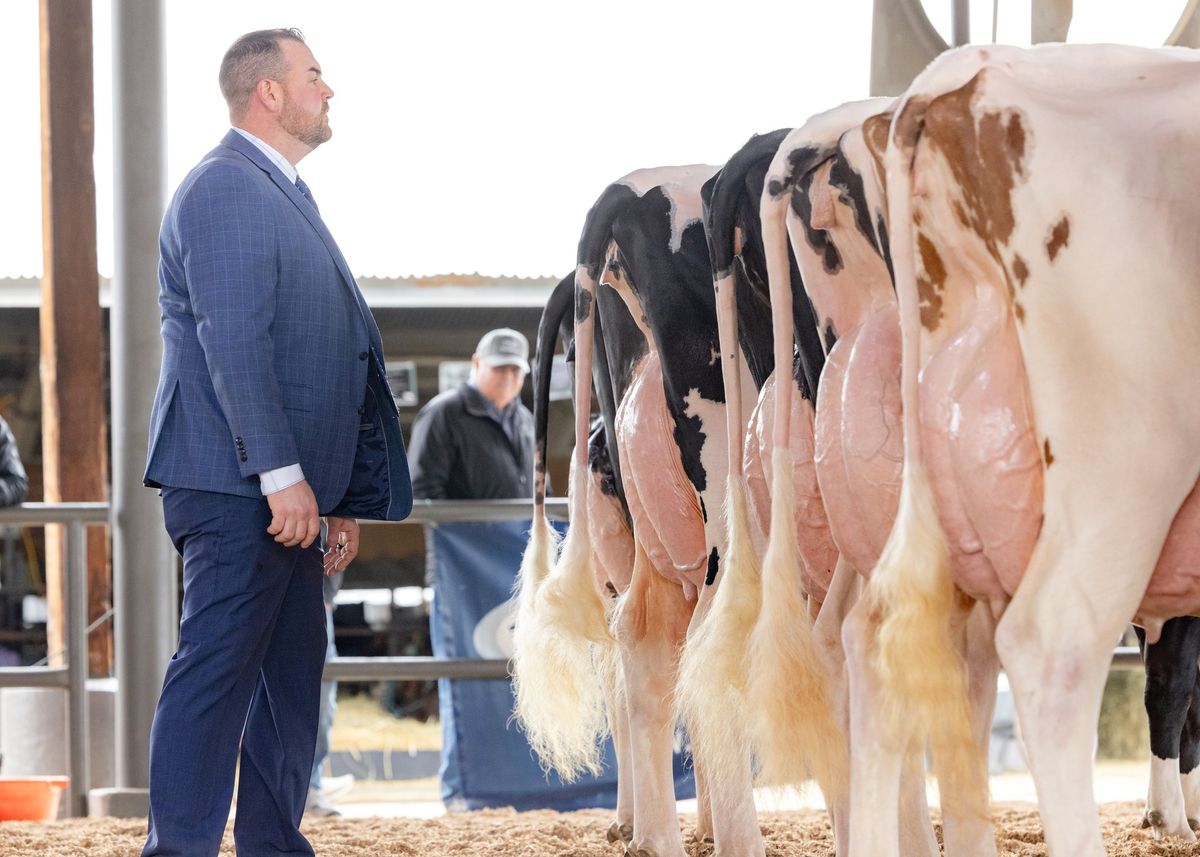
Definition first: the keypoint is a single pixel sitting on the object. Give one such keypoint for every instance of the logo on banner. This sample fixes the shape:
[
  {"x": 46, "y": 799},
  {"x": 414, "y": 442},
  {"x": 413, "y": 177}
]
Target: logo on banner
[{"x": 493, "y": 633}]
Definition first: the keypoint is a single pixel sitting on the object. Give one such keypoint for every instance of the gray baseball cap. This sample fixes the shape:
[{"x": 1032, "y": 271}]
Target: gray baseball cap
[{"x": 504, "y": 347}]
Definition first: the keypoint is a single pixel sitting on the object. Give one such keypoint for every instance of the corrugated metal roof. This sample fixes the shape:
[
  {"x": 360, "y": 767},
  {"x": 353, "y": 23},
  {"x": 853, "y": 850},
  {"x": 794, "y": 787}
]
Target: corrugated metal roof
[{"x": 448, "y": 291}]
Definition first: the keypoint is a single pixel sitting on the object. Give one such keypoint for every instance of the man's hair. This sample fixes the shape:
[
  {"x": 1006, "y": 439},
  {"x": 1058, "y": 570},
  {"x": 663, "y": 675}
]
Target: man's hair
[{"x": 253, "y": 57}]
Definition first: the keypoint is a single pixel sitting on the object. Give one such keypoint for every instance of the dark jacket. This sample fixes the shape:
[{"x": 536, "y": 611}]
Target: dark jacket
[
  {"x": 13, "y": 482},
  {"x": 270, "y": 355},
  {"x": 459, "y": 452}
]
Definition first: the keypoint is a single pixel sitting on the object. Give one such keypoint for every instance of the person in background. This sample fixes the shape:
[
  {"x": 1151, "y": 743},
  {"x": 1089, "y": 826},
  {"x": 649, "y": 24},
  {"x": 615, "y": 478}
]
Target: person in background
[
  {"x": 14, "y": 484},
  {"x": 476, "y": 442}
]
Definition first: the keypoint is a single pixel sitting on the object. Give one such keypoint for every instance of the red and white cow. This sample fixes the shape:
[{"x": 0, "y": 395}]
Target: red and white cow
[{"x": 1049, "y": 299}]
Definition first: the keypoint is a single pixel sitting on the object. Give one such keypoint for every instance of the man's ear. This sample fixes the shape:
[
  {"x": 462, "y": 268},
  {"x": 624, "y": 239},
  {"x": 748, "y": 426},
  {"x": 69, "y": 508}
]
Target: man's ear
[{"x": 269, "y": 94}]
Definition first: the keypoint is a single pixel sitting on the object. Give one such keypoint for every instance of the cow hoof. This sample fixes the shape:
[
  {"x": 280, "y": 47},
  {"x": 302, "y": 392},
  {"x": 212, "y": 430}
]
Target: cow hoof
[
  {"x": 1194, "y": 824},
  {"x": 1145, "y": 821},
  {"x": 619, "y": 832},
  {"x": 1155, "y": 820}
]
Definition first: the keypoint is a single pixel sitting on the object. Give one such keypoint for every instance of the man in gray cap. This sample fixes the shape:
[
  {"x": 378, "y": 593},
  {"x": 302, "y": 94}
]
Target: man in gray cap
[{"x": 476, "y": 442}]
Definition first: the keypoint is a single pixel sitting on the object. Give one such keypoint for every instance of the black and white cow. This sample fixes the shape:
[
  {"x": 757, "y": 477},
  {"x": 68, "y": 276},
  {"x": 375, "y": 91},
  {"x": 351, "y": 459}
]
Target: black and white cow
[{"x": 645, "y": 534}]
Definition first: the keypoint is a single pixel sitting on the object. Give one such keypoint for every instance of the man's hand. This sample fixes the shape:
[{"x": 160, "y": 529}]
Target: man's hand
[
  {"x": 343, "y": 544},
  {"x": 294, "y": 518}
]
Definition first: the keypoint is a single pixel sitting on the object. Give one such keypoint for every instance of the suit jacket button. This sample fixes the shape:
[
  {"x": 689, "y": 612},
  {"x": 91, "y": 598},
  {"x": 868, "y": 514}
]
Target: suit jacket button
[
  {"x": 243, "y": 456},
  {"x": 362, "y": 355}
]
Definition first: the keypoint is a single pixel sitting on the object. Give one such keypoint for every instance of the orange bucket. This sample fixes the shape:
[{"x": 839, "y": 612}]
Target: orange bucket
[{"x": 30, "y": 798}]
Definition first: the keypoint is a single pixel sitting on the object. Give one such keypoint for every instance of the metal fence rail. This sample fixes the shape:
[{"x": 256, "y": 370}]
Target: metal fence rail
[{"x": 73, "y": 675}]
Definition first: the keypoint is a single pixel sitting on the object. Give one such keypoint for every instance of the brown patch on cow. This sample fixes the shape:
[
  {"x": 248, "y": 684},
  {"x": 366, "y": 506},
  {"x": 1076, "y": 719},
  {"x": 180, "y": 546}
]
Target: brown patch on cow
[
  {"x": 1046, "y": 454},
  {"x": 985, "y": 153},
  {"x": 1019, "y": 311},
  {"x": 907, "y": 127},
  {"x": 1060, "y": 235},
  {"x": 875, "y": 133},
  {"x": 931, "y": 285},
  {"x": 960, "y": 213},
  {"x": 1020, "y": 270}
]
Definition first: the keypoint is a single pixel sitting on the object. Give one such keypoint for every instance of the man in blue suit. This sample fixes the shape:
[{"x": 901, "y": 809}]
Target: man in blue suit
[{"x": 272, "y": 410}]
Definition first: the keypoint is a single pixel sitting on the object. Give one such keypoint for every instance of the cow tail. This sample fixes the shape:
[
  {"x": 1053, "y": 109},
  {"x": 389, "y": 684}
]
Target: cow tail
[
  {"x": 912, "y": 594},
  {"x": 711, "y": 689},
  {"x": 789, "y": 684},
  {"x": 560, "y": 700}
]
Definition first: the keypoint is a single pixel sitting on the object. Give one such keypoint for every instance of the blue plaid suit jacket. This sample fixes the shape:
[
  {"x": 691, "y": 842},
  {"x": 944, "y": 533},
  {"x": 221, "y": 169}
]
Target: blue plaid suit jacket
[{"x": 270, "y": 354}]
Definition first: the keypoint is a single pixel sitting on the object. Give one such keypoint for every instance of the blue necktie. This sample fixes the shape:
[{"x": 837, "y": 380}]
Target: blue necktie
[{"x": 306, "y": 193}]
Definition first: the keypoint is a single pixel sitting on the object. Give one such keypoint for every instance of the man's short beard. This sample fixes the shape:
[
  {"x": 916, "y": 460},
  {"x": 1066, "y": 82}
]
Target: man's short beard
[{"x": 312, "y": 132}]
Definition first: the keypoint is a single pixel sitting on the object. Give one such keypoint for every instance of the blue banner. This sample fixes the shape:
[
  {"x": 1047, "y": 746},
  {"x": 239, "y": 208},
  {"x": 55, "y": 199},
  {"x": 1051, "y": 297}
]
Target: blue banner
[{"x": 486, "y": 761}]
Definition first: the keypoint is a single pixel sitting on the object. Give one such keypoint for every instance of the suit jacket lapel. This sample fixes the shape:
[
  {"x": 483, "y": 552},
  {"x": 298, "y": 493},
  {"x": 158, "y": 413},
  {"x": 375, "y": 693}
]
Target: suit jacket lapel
[{"x": 236, "y": 141}]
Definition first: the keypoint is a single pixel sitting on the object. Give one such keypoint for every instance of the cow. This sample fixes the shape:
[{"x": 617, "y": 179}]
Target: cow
[
  {"x": 824, "y": 192},
  {"x": 714, "y": 668},
  {"x": 645, "y": 329},
  {"x": 1049, "y": 306}
]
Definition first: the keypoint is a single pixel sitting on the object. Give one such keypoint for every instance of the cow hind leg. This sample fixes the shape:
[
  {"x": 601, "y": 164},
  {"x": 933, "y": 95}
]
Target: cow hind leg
[
  {"x": 880, "y": 759},
  {"x": 1057, "y": 679},
  {"x": 970, "y": 832},
  {"x": 1189, "y": 759},
  {"x": 827, "y": 631},
  {"x": 608, "y": 663},
  {"x": 650, "y": 625},
  {"x": 1170, "y": 681}
]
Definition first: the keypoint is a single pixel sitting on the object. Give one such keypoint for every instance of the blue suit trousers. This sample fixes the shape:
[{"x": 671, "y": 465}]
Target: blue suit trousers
[{"x": 248, "y": 668}]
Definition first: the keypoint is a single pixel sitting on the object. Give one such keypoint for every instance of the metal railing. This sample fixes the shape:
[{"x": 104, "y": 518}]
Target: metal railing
[
  {"x": 412, "y": 668},
  {"x": 73, "y": 674}
]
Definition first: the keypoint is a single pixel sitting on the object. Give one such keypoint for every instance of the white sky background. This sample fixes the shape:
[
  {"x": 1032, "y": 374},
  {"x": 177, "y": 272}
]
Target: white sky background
[{"x": 472, "y": 135}]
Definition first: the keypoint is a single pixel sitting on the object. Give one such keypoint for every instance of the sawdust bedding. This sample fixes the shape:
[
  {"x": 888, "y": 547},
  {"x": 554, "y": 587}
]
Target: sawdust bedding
[{"x": 551, "y": 834}]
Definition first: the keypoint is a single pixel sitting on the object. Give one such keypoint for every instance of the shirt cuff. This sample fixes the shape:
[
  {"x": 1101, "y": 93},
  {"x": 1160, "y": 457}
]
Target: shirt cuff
[{"x": 280, "y": 478}]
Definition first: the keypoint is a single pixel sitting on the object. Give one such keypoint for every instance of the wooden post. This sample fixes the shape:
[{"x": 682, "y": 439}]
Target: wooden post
[{"x": 73, "y": 443}]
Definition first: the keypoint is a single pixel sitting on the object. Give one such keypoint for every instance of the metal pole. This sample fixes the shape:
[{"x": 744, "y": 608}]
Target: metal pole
[
  {"x": 960, "y": 22},
  {"x": 75, "y": 598},
  {"x": 143, "y": 560}
]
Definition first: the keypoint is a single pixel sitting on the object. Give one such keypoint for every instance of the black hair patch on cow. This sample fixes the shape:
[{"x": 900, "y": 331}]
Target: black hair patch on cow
[
  {"x": 800, "y": 160},
  {"x": 853, "y": 194},
  {"x": 724, "y": 195},
  {"x": 885, "y": 247},
  {"x": 624, "y": 343},
  {"x": 583, "y": 305},
  {"x": 818, "y": 239},
  {"x": 713, "y": 563},
  {"x": 674, "y": 288},
  {"x": 600, "y": 462},
  {"x": 619, "y": 346},
  {"x": 754, "y": 325},
  {"x": 1170, "y": 683},
  {"x": 800, "y": 379},
  {"x": 597, "y": 226},
  {"x": 830, "y": 335},
  {"x": 809, "y": 351}
]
